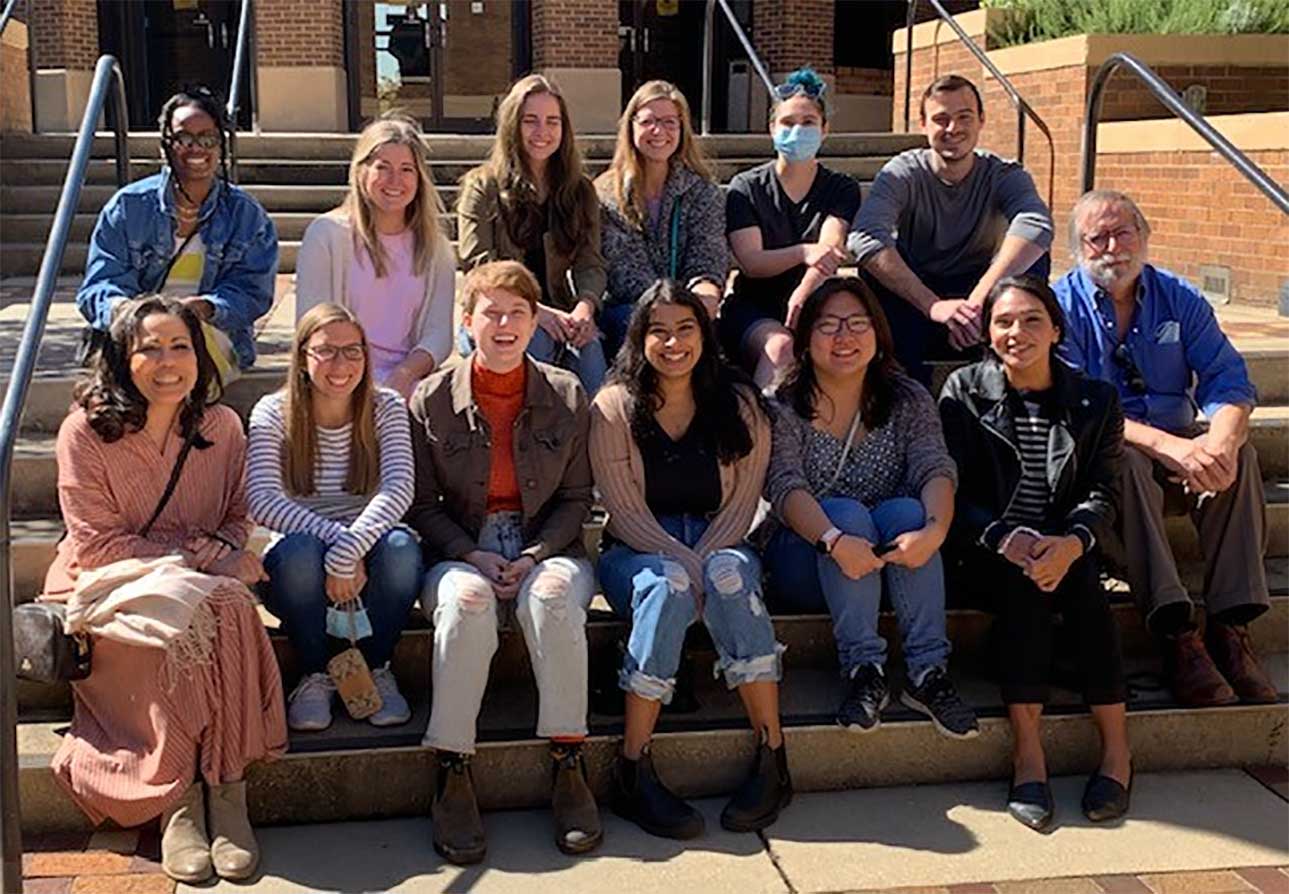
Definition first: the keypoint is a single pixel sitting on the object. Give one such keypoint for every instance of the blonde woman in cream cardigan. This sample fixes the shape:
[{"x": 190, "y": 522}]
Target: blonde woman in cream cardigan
[
  {"x": 383, "y": 255},
  {"x": 679, "y": 447}
]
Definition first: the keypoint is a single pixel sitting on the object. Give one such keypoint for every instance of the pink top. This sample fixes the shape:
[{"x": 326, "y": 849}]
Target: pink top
[{"x": 387, "y": 307}]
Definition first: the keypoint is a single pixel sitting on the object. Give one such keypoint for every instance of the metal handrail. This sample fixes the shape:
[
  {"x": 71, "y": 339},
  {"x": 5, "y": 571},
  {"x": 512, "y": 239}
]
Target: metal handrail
[
  {"x": 1023, "y": 109},
  {"x": 1173, "y": 102},
  {"x": 7, "y": 14},
  {"x": 235, "y": 86},
  {"x": 708, "y": 45},
  {"x": 108, "y": 86}
]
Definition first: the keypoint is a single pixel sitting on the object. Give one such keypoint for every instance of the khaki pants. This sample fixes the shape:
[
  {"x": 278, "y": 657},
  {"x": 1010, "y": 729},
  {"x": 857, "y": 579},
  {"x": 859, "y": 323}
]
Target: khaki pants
[{"x": 1232, "y": 534}]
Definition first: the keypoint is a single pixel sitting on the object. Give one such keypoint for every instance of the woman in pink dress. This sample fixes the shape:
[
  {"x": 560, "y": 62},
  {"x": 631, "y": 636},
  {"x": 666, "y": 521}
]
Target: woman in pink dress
[{"x": 175, "y": 708}]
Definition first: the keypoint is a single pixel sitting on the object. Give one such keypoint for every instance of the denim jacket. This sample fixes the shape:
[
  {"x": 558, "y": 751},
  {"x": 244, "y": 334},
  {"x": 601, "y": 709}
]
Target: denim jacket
[{"x": 134, "y": 240}]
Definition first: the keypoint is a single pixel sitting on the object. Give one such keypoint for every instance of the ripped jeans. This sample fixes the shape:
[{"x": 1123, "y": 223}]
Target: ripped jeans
[
  {"x": 655, "y": 592},
  {"x": 551, "y": 611}
]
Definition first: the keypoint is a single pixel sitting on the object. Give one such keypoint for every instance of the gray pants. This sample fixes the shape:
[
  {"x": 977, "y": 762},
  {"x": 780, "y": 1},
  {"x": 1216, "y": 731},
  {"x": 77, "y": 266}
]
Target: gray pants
[{"x": 1232, "y": 530}]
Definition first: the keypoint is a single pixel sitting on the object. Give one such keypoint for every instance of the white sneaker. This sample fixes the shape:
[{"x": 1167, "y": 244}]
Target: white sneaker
[
  {"x": 393, "y": 708},
  {"x": 310, "y": 703}
]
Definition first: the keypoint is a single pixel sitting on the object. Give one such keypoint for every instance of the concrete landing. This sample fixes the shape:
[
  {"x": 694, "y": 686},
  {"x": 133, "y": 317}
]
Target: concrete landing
[{"x": 914, "y": 836}]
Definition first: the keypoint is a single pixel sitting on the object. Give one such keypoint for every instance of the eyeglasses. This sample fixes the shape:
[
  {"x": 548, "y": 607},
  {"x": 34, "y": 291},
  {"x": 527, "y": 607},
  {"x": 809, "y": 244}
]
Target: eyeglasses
[
  {"x": 206, "y": 140},
  {"x": 669, "y": 124},
  {"x": 856, "y": 324},
  {"x": 328, "y": 353},
  {"x": 1136, "y": 381},
  {"x": 1121, "y": 236},
  {"x": 787, "y": 91}
]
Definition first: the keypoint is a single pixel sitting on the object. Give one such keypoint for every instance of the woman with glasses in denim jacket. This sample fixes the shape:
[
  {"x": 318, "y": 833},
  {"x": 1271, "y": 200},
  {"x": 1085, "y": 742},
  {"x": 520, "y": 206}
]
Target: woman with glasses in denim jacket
[
  {"x": 663, "y": 216},
  {"x": 530, "y": 202},
  {"x": 787, "y": 222},
  {"x": 679, "y": 446},
  {"x": 188, "y": 233},
  {"x": 1044, "y": 445}
]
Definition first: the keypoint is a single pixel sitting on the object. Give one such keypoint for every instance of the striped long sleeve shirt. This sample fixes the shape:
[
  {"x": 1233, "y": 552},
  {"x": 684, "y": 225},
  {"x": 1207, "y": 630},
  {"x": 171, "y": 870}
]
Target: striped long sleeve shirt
[{"x": 350, "y": 524}]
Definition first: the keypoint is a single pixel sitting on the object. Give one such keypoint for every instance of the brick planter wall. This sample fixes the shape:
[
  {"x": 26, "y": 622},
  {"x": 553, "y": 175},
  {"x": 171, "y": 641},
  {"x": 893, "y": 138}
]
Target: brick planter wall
[{"x": 15, "y": 88}]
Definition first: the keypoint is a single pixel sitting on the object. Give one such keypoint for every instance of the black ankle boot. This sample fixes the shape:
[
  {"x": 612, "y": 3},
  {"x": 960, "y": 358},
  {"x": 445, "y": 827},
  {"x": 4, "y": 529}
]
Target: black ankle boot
[
  {"x": 766, "y": 791},
  {"x": 640, "y": 796}
]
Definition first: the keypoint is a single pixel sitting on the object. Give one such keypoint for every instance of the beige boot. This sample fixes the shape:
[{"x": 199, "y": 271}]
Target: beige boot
[
  {"x": 185, "y": 850},
  {"x": 233, "y": 849}
]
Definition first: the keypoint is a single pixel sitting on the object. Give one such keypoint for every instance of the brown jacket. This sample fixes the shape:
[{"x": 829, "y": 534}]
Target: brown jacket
[
  {"x": 482, "y": 236},
  {"x": 620, "y": 476},
  {"x": 451, "y": 443}
]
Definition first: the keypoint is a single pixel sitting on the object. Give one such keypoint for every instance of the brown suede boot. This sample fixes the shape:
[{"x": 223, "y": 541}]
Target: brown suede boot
[
  {"x": 1233, "y": 654},
  {"x": 458, "y": 828},
  {"x": 233, "y": 848},
  {"x": 577, "y": 818},
  {"x": 1196, "y": 681},
  {"x": 185, "y": 849}
]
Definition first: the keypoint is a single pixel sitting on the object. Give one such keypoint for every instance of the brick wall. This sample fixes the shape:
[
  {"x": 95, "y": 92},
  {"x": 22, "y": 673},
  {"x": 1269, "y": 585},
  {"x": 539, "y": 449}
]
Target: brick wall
[
  {"x": 869, "y": 81},
  {"x": 64, "y": 34},
  {"x": 928, "y": 64},
  {"x": 1202, "y": 212},
  {"x": 574, "y": 34},
  {"x": 298, "y": 33},
  {"x": 15, "y": 88},
  {"x": 791, "y": 33},
  {"x": 1231, "y": 90}
]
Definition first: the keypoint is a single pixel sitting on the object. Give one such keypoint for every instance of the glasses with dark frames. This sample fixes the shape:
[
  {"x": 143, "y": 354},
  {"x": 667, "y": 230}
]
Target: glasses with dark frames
[{"x": 328, "y": 353}]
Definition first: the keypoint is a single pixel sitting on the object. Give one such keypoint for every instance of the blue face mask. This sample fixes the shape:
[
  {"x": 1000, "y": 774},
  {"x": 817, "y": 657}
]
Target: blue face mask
[
  {"x": 799, "y": 142},
  {"x": 338, "y": 624}
]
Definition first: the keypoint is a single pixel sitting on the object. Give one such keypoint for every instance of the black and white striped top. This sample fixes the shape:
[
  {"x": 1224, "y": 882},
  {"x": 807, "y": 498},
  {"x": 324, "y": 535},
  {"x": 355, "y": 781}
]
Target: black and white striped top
[
  {"x": 350, "y": 524},
  {"x": 1030, "y": 501}
]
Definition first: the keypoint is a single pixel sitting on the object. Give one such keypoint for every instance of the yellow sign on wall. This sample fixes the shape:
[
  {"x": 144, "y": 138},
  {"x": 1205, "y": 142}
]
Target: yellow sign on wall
[{"x": 668, "y": 7}]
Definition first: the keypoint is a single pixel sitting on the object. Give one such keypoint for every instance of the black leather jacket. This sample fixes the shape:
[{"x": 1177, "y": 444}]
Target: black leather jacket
[{"x": 1084, "y": 453}]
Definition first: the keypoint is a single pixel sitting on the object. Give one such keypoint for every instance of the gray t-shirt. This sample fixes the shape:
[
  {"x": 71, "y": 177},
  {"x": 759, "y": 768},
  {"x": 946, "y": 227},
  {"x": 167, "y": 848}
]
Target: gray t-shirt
[{"x": 943, "y": 230}]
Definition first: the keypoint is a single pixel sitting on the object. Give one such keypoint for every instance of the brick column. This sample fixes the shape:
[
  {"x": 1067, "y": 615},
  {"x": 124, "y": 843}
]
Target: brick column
[
  {"x": 15, "y": 88},
  {"x": 300, "y": 65},
  {"x": 64, "y": 43},
  {"x": 576, "y": 43},
  {"x": 788, "y": 34}
]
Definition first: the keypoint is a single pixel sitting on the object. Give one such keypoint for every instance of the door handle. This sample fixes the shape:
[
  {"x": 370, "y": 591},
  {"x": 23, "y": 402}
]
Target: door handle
[
  {"x": 223, "y": 34},
  {"x": 646, "y": 40},
  {"x": 629, "y": 33}
]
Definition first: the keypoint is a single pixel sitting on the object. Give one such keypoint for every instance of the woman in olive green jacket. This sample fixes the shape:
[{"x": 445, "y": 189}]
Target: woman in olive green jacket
[{"x": 531, "y": 203}]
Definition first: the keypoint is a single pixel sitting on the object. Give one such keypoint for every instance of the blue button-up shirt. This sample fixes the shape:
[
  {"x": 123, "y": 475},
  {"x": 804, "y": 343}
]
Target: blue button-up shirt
[{"x": 1188, "y": 364}]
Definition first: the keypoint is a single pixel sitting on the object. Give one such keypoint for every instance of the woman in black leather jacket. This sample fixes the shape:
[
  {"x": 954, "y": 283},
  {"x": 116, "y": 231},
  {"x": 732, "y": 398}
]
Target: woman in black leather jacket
[{"x": 1041, "y": 447}]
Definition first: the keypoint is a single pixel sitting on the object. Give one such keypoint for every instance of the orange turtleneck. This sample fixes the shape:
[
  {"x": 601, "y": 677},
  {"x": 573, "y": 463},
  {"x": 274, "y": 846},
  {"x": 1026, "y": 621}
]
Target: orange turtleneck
[{"x": 500, "y": 397}]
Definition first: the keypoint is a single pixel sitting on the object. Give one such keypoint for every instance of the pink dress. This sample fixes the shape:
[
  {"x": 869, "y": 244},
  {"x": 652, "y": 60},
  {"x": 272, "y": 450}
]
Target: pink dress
[{"x": 135, "y": 745}]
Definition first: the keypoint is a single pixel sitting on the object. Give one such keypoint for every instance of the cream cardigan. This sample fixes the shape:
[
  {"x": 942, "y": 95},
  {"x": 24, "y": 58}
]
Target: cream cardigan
[
  {"x": 620, "y": 476},
  {"x": 322, "y": 275}
]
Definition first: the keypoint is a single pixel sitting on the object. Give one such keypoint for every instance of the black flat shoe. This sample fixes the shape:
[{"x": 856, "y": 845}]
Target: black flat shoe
[
  {"x": 1106, "y": 799},
  {"x": 1031, "y": 804}
]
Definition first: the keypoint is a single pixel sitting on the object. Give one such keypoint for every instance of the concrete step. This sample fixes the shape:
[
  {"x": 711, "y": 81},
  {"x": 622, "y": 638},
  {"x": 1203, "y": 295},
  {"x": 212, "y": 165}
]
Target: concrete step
[
  {"x": 24, "y": 258},
  {"x": 339, "y": 147},
  {"x": 353, "y": 771},
  {"x": 808, "y": 638}
]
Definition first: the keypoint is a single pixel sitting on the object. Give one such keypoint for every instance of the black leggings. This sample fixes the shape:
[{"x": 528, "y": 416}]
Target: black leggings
[{"x": 1025, "y": 635}]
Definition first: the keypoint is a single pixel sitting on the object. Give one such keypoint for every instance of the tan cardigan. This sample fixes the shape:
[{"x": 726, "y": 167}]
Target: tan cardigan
[
  {"x": 620, "y": 476},
  {"x": 322, "y": 275}
]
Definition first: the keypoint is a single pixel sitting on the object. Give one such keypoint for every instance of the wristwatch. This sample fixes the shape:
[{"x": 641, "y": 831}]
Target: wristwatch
[{"x": 827, "y": 540}]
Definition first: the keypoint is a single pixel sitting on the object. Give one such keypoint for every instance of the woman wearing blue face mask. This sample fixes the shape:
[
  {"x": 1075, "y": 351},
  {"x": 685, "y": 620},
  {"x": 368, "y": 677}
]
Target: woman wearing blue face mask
[{"x": 787, "y": 221}]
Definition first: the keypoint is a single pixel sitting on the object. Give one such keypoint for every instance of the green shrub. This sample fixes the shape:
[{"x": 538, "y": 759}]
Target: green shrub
[{"x": 1034, "y": 20}]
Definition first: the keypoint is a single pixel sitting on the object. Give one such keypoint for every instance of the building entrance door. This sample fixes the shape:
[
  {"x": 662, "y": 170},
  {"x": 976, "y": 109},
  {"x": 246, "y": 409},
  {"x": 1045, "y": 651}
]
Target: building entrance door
[
  {"x": 446, "y": 63},
  {"x": 165, "y": 45}
]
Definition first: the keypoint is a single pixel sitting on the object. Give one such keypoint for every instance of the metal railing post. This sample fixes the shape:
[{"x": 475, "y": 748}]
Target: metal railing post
[
  {"x": 909, "y": 20},
  {"x": 1169, "y": 98},
  {"x": 108, "y": 85},
  {"x": 235, "y": 86},
  {"x": 709, "y": 43}
]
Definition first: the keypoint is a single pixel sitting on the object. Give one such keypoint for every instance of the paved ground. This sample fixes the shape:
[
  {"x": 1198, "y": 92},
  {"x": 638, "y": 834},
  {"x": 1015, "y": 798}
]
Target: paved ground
[{"x": 1201, "y": 832}]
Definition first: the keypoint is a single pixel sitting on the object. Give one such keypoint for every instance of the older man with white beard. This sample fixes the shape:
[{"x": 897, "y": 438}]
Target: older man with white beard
[{"x": 1154, "y": 336}]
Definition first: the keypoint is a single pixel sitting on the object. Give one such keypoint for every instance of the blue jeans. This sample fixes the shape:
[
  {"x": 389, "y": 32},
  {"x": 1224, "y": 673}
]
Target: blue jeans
[
  {"x": 586, "y": 362},
  {"x": 296, "y": 593},
  {"x": 806, "y": 582},
  {"x": 614, "y": 319},
  {"x": 655, "y": 592}
]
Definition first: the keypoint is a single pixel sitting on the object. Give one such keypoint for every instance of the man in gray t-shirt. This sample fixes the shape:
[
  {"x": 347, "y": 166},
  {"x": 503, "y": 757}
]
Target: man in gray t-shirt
[{"x": 941, "y": 225}]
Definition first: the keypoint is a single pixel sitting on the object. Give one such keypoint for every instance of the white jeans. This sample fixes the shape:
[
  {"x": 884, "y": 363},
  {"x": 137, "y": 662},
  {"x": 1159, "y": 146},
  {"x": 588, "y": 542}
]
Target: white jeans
[{"x": 551, "y": 610}]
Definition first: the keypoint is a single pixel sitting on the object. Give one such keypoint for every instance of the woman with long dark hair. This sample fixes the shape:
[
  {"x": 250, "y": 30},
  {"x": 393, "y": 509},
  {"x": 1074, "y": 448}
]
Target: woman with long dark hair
[
  {"x": 189, "y": 233},
  {"x": 861, "y": 488},
  {"x": 679, "y": 446},
  {"x": 1044, "y": 445},
  {"x": 530, "y": 202},
  {"x": 183, "y": 680}
]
